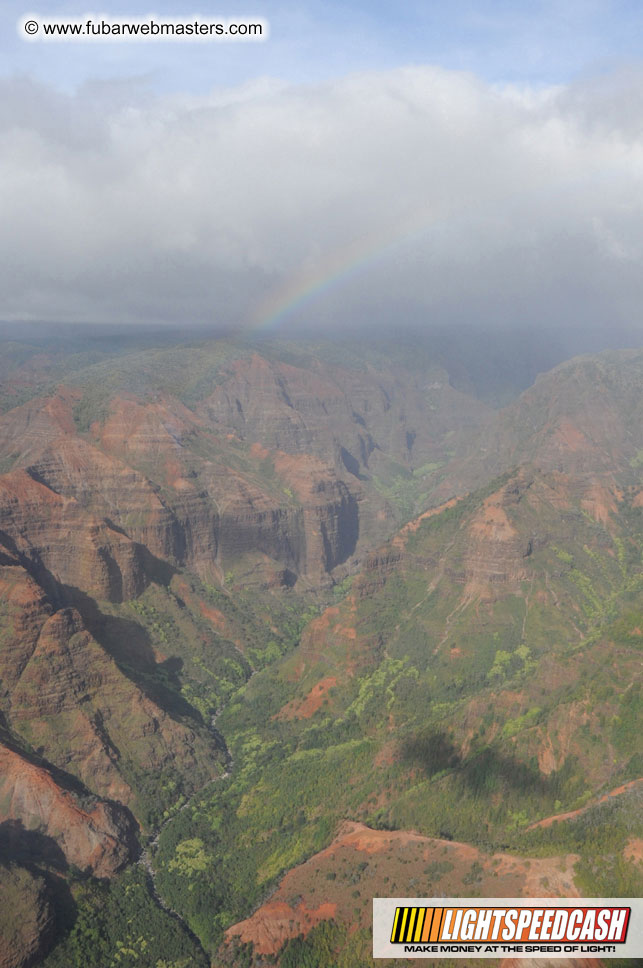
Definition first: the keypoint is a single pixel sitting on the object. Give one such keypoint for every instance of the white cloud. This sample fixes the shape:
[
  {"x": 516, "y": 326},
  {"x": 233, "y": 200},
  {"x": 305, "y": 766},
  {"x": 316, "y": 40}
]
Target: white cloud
[{"x": 458, "y": 199}]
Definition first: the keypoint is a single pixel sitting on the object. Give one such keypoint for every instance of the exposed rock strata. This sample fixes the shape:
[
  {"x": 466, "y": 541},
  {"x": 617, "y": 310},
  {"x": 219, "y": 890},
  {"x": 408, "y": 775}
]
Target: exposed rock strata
[
  {"x": 67, "y": 697},
  {"x": 36, "y": 524},
  {"x": 157, "y": 483},
  {"x": 99, "y": 838},
  {"x": 353, "y": 414}
]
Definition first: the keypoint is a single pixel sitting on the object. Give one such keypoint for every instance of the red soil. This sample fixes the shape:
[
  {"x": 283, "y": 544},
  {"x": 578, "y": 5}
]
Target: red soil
[
  {"x": 307, "y": 707},
  {"x": 617, "y": 791},
  {"x": 324, "y": 886}
]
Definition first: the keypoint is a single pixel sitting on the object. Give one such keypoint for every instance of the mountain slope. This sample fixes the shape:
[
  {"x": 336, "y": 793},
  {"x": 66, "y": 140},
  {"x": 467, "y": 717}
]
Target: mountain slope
[
  {"x": 241, "y": 643},
  {"x": 482, "y": 674}
]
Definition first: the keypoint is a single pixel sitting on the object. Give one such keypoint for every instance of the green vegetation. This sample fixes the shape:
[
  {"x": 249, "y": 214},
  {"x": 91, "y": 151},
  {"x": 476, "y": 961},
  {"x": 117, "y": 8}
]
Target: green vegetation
[
  {"x": 407, "y": 490},
  {"x": 600, "y": 835},
  {"x": 187, "y": 372},
  {"x": 92, "y": 407},
  {"x": 328, "y": 945},
  {"x": 482, "y": 679},
  {"x": 119, "y": 925},
  {"x": 24, "y": 902},
  {"x": 295, "y": 779}
]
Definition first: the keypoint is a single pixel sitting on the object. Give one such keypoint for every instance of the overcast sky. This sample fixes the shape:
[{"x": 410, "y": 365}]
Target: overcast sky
[{"x": 477, "y": 161}]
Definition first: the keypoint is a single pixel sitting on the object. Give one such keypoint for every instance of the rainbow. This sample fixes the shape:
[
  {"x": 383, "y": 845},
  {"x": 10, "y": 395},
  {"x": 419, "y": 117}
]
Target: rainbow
[
  {"x": 334, "y": 269},
  {"x": 338, "y": 266}
]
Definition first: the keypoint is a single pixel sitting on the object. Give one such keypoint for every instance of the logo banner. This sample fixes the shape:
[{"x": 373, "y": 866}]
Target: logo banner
[{"x": 507, "y": 927}]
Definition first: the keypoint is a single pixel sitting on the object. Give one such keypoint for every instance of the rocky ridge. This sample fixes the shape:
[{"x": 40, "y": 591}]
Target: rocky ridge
[{"x": 99, "y": 837}]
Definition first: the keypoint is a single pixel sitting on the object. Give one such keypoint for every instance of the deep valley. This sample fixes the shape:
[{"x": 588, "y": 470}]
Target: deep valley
[{"x": 289, "y": 624}]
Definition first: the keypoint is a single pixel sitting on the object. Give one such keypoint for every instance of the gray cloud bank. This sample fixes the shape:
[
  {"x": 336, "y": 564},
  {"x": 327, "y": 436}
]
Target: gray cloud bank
[{"x": 445, "y": 199}]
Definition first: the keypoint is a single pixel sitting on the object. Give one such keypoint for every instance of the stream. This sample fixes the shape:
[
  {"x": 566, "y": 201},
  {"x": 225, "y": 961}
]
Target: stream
[{"x": 145, "y": 857}]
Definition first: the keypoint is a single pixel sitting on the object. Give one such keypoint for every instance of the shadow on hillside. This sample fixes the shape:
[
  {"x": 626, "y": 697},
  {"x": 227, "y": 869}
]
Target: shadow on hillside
[
  {"x": 63, "y": 779},
  {"x": 30, "y": 847},
  {"x": 130, "y": 646},
  {"x": 433, "y": 752},
  {"x": 127, "y": 642},
  {"x": 481, "y": 771},
  {"x": 43, "y": 858}
]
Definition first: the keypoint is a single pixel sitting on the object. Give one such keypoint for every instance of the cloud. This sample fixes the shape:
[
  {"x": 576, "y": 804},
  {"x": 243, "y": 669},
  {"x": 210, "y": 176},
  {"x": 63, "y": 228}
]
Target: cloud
[{"x": 418, "y": 192}]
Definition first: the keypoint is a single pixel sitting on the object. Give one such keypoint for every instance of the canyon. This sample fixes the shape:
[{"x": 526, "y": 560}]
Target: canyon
[{"x": 360, "y": 570}]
